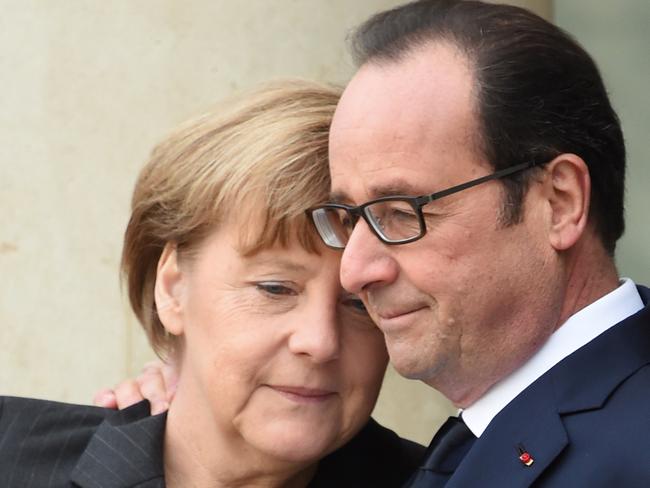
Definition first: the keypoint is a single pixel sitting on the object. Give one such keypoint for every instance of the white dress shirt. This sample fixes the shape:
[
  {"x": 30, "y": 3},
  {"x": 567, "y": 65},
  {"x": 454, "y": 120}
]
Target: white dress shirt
[{"x": 578, "y": 330}]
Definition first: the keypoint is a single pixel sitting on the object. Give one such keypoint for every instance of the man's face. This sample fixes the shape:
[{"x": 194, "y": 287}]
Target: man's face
[{"x": 461, "y": 307}]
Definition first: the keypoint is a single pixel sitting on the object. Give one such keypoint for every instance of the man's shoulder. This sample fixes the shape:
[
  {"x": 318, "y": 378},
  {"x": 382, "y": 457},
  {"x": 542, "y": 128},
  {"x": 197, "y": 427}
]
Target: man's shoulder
[
  {"x": 628, "y": 407},
  {"x": 601, "y": 396},
  {"x": 608, "y": 446},
  {"x": 376, "y": 456},
  {"x": 610, "y": 375},
  {"x": 41, "y": 439}
]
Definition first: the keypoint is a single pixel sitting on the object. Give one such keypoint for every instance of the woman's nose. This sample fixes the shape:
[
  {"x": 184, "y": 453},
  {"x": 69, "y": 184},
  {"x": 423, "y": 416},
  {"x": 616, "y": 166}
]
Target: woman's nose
[{"x": 317, "y": 336}]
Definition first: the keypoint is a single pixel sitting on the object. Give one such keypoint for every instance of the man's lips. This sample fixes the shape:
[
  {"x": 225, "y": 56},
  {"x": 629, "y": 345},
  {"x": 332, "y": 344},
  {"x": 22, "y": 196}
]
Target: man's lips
[
  {"x": 303, "y": 394},
  {"x": 393, "y": 314},
  {"x": 388, "y": 320}
]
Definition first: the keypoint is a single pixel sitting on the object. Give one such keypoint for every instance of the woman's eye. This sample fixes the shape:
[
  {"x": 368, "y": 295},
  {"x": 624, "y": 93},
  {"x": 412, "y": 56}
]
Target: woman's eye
[
  {"x": 274, "y": 288},
  {"x": 357, "y": 316},
  {"x": 355, "y": 304},
  {"x": 347, "y": 222}
]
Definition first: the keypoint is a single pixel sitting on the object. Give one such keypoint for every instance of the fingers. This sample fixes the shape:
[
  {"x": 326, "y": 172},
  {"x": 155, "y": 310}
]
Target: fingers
[
  {"x": 105, "y": 398},
  {"x": 128, "y": 393},
  {"x": 157, "y": 383},
  {"x": 169, "y": 373},
  {"x": 153, "y": 386}
]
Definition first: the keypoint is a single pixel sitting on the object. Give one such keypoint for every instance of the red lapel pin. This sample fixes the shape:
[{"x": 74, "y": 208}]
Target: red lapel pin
[{"x": 524, "y": 456}]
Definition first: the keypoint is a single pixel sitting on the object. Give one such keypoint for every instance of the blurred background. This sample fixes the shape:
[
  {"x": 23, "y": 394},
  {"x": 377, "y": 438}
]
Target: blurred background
[{"x": 88, "y": 87}]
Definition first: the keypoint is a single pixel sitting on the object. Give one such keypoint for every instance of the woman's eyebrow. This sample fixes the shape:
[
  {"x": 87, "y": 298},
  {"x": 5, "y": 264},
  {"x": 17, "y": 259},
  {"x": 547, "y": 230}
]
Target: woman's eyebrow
[{"x": 276, "y": 263}]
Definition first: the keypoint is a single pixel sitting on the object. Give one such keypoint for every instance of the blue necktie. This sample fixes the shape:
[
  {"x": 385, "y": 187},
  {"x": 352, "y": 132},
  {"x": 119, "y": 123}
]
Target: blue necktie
[{"x": 447, "y": 449}]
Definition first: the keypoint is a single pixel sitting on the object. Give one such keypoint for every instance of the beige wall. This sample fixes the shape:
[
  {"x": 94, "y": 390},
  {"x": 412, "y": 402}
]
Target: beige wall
[
  {"x": 87, "y": 88},
  {"x": 617, "y": 35}
]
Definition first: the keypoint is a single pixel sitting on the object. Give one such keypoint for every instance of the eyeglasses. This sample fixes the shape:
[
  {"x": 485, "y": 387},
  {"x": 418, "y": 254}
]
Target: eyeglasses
[{"x": 394, "y": 219}]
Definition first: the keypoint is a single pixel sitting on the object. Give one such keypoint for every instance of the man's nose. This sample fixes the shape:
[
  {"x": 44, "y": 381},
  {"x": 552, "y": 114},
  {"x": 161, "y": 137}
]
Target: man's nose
[{"x": 366, "y": 261}]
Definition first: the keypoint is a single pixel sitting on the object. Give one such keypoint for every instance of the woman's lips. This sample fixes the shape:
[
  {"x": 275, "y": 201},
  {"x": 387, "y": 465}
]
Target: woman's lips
[{"x": 303, "y": 394}]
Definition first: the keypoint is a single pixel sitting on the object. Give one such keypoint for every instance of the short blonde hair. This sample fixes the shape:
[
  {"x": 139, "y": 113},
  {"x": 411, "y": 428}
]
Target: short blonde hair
[{"x": 261, "y": 157}]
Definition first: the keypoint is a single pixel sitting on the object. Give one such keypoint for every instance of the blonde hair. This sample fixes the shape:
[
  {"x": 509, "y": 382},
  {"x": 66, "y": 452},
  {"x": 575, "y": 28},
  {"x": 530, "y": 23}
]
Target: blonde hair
[{"x": 261, "y": 157}]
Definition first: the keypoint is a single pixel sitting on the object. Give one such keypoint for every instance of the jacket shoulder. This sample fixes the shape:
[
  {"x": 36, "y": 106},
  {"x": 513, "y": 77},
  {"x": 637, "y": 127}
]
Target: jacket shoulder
[
  {"x": 41, "y": 441},
  {"x": 608, "y": 446}
]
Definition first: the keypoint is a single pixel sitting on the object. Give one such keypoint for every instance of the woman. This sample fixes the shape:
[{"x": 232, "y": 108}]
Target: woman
[{"x": 279, "y": 367}]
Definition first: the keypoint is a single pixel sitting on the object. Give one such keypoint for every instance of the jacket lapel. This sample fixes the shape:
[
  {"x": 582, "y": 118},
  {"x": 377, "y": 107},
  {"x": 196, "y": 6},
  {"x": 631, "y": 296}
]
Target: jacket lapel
[
  {"x": 534, "y": 420},
  {"x": 123, "y": 454},
  {"x": 531, "y": 424}
]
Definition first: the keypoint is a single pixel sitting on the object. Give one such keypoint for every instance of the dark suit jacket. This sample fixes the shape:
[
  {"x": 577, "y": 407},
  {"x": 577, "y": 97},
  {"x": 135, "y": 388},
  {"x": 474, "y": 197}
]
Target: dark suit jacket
[
  {"x": 586, "y": 422},
  {"x": 47, "y": 444}
]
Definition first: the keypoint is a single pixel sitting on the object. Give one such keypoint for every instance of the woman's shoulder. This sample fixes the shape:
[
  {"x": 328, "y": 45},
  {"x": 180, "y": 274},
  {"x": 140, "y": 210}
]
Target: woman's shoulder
[
  {"x": 376, "y": 457},
  {"x": 41, "y": 437},
  {"x": 22, "y": 417}
]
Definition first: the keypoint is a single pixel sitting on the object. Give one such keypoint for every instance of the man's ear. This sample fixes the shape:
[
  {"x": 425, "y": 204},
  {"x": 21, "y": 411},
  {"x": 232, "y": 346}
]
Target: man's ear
[
  {"x": 169, "y": 290},
  {"x": 568, "y": 189}
]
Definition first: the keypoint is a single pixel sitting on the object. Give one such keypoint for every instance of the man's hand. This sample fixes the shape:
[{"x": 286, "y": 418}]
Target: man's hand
[{"x": 156, "y": 383}]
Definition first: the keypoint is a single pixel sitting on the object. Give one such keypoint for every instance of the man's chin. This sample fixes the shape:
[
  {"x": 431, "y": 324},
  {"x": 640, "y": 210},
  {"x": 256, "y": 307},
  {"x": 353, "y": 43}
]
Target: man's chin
[{"x": 405, "y": 362}]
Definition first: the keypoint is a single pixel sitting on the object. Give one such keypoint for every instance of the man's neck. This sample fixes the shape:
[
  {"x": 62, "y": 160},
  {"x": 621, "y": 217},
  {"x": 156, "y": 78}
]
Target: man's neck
[
  {"x": 588, "y": 275},
  {"x": 591, "y": 275},
  {"x": 580, "y": 329}
]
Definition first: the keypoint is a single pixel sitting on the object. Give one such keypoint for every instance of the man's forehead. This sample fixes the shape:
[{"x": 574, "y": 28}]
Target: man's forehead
[
  {"x": 398, "y": 124},
  {"x": 399, "y": 101},
  {"x": 392, "y": 187},
  {"x": 435, "y": 71}
]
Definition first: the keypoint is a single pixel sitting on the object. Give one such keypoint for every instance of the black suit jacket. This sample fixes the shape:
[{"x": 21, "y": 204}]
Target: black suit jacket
[{"x": 47, "y": 444}]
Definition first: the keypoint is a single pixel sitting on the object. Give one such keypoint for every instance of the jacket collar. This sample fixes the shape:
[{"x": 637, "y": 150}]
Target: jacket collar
[
  {"x": 626, "y": 347},
  {"x": 126, "y": 451},
  {"x": 533, "y": 421}
]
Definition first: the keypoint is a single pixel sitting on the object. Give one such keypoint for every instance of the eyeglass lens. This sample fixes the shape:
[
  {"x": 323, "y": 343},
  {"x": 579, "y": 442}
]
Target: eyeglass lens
[
  {"x": 334, "y": 226},
  {"x": 393, "y": 220}
]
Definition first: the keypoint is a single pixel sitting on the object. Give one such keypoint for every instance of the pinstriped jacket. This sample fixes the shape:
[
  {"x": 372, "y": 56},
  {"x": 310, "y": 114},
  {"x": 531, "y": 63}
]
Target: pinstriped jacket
[{"x": 47, "y": 444}]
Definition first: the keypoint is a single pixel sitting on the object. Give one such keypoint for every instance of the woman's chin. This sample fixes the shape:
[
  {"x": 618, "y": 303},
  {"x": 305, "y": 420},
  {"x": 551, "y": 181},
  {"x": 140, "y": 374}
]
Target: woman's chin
[{"x": 296, "y": 444}]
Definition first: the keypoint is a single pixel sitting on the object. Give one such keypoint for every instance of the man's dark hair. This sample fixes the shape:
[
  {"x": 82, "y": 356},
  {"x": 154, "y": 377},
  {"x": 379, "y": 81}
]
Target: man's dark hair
[{"x": 539, "y": 93}]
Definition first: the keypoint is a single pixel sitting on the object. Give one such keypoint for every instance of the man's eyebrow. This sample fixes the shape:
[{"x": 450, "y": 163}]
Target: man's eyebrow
[
  {"x": 401, "y": 188},
  {"x": 338, "y": 197},
  {"x": 395, "y": 188}
]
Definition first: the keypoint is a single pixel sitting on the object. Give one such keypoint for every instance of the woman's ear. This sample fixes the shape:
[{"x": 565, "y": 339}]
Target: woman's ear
[
  {"x": 568, "y": 193},
  {"x": 169, "y": 290}
]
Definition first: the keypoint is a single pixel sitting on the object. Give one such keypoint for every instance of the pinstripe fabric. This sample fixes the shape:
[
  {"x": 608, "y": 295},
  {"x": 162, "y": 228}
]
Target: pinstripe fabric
[
  {"x": 50, "y": 445},
  {"x": 54, "y": 445}
]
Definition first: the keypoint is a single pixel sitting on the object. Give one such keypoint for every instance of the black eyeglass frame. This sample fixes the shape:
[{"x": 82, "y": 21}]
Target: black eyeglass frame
[{"x": 356, "y": 212}]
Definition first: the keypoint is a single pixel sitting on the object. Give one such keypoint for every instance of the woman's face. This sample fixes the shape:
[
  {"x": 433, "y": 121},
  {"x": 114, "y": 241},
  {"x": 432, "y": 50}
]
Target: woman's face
[{"x": 278, "y": 354}]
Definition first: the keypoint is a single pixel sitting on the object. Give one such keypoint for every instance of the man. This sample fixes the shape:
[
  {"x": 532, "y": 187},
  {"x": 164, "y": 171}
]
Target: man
[{"x": 497, "y": 284}]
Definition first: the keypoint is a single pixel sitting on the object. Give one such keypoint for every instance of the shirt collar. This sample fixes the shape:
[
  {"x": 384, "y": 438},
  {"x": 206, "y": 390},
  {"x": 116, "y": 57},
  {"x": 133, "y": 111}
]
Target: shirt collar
[{"x": 578, "y": 330}]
